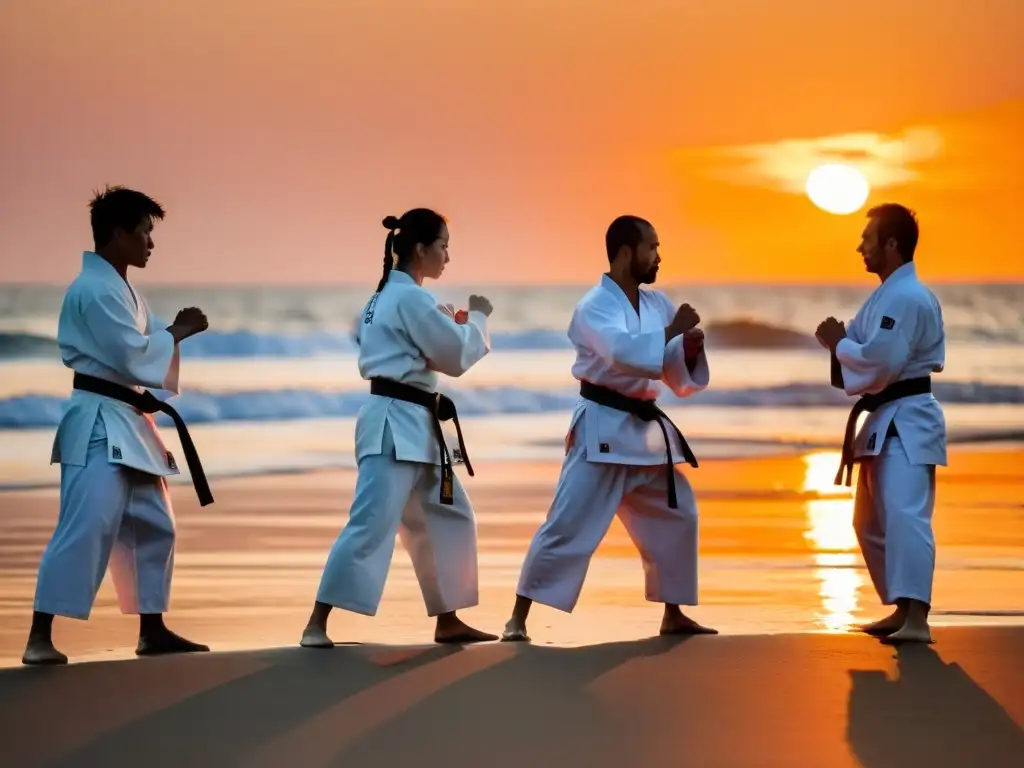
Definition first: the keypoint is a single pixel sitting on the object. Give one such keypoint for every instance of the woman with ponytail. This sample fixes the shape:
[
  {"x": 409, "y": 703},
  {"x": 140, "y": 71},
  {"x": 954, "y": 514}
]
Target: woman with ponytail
[{"x": 405, "y": 484}]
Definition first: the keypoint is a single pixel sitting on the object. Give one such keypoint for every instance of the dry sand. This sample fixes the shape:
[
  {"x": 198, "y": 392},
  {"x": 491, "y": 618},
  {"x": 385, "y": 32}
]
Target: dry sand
[{"x": 820, "y": 701}]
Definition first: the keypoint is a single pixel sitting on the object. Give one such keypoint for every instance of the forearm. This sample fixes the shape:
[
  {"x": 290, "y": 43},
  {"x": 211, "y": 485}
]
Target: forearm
[
  {"x": 867, "y": 369},
  {"x": 450, "y": 348},
  {"x": 641, "y": 354},
  {"x": 685, "y": 374}
]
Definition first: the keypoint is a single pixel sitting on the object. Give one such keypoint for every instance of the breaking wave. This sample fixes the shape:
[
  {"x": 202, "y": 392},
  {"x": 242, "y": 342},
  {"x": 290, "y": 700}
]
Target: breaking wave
[
  {"x": 734, "y": 334},
  {"x": 197, "y": 407}
]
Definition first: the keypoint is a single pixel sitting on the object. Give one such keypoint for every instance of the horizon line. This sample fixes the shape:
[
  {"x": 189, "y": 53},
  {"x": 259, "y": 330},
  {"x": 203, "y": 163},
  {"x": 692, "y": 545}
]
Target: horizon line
[{"x": 322, "y": 286}]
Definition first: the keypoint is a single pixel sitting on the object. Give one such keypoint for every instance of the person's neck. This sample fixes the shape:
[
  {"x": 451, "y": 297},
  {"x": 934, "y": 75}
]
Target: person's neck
[
  {"x": 888, "y": 271},
  {"x": 119, "y": 266},
  {"x": 629, "y": 286},
  {"x": 414, "y": 273}
]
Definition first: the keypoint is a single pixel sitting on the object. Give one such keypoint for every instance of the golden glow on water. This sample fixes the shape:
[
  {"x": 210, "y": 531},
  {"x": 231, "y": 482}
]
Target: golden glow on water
[{"x": 830, "y": 534}]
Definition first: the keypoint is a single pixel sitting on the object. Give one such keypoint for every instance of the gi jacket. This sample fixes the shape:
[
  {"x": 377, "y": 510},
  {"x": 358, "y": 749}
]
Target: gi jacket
[
  {"x": 625, "y": 351},
  {"x": 898, "y": 334},
  {"x": 403, "y": 336},
  {"x": 106, "y": 330}
]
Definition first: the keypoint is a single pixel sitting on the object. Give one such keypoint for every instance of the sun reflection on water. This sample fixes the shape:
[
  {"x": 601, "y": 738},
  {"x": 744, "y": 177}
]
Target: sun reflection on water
[{"x": 833, "y": 541}]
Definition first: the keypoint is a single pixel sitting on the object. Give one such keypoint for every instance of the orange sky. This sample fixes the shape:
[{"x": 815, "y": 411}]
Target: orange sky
[{"x": 278, "y": 133}]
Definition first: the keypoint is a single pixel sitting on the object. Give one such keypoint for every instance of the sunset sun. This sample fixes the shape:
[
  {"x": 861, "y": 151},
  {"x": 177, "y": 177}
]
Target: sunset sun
[{"x": 836, "y": 188}]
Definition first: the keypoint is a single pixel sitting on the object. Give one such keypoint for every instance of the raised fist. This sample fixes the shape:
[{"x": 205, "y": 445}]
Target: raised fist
[
  {"x": 480, "y": 304},
  {"x": 830, "y": 332},
  {"x": 686, "y": 319},
  {"x": 191, "y": 321}
]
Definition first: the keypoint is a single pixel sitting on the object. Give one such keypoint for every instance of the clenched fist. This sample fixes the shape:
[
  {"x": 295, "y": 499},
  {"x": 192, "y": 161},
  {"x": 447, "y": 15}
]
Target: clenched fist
[
  {"x": 460, "y": 316},
  {"x": 830, "y": 332},
  {"x": 188, "y": 322},
  {"x": 685, "y": 320},
  {"x": 480, "y": 304}
]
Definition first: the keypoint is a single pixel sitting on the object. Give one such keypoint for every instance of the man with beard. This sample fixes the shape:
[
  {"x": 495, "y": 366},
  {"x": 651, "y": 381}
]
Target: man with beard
[
  {"x": 887, "y": 357},
  {"x": 621, "y": 448}
]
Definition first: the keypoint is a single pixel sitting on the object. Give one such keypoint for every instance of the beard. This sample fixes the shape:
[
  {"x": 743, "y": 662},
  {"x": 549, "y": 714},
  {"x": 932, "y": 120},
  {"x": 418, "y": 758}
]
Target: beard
[{"x": 644, "y": 276}]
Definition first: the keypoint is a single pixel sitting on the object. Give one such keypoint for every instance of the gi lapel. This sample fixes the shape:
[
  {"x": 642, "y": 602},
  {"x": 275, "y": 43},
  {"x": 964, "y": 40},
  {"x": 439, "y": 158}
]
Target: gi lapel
[{"x": 630, "y": 318}]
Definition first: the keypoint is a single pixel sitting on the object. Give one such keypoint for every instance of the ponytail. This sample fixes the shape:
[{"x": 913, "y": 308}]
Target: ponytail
[
  {"x": 389, "y": 261},
  {"x": 390, "y": 257}
]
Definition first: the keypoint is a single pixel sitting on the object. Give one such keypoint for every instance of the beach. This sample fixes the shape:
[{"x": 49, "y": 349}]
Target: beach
[
  {"x": 223, "y": 171},
  {"x": 778, "y": 554},
  {"x": 787, "y": 684}
]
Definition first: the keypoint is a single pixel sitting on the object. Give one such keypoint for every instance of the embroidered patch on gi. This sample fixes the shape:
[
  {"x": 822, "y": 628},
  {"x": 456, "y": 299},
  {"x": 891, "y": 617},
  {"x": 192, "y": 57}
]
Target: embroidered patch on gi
[
  {"x": 115, "y": 452},
  {"x": 368, "y": 314},
  {"x": 871, "y": 441},
  {"x": 170, "y": 461},
  {"x": 456, "y": 455},
  {"x": 605, "y": 448},
  {"x": 888, "y": 323}
]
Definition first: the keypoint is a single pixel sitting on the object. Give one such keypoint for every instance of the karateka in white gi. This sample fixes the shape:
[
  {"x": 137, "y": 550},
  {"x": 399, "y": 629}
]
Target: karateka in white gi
[
  {"x": 405, "y": 482},
  {"x": 114, "y": 505},
  {"x": 886, "y": 356},
  {"x": 620, "y": 448}
]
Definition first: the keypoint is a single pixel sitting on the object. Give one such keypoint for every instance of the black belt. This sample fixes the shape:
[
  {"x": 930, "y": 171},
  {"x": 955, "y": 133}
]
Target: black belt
[
  {"x": 645, "y": 410},
  {"x": 871, "y": 403},
  {"x": 147, "y": 403},
  {"x": 441, "y": 408}
]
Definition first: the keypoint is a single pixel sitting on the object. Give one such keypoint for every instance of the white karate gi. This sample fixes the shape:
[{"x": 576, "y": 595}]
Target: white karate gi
[
  {"x": 404, "y": 337},
  {"x": 114, "y": 505},
  {"x": 615, "y": 462},
  {"x": 898, "y": 334}
]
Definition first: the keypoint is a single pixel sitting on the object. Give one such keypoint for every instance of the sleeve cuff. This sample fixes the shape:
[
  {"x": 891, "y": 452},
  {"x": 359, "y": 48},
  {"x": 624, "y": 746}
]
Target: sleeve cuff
[
  {"x": 479, "y": 319},
  {"x": 700, "y": 376},
  {"x": 163, "y": 373},
  {"x": 843, "y": 349}
]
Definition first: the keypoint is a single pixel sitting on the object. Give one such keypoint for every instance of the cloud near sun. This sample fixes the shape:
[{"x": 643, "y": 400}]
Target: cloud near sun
[
  {"x": 884, "y": 160},
  {"x": 749, "y": 203}
]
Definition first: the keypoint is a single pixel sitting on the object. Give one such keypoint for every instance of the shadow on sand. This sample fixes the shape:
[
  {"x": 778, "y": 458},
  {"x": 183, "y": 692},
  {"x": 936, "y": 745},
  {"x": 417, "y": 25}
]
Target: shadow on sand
[
  {"x": 509, "y": 704},
  {"x": 931, "y": 714},
  {"x": 786, "y": 700}
]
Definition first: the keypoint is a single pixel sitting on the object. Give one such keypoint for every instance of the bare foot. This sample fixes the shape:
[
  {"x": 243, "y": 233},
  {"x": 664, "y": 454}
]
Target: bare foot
[
  {"x": 910, "y": 633},
  {"x": 515, "y": 632},
  {"x": 452, "y": 629},
  {"x": 681, "y": 624},
  {"x": 165, "y": 642},
  {"x": 885, "y": 626},
  {"x": 315, "y": 637},
  {"x": 40, "y": 652}
]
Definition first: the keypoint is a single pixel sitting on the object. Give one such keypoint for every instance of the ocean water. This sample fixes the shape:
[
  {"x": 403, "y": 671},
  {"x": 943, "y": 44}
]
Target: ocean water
[{"x": 273, "y": 386}]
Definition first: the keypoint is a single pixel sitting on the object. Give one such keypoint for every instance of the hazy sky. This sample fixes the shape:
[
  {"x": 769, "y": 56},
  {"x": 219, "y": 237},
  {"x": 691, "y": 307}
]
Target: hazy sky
[{"x": 278, "y": 133}]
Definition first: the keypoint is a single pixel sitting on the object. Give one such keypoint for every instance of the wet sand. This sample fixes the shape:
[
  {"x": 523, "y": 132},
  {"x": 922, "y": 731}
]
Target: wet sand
[{"x": 777, "y": 555}]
